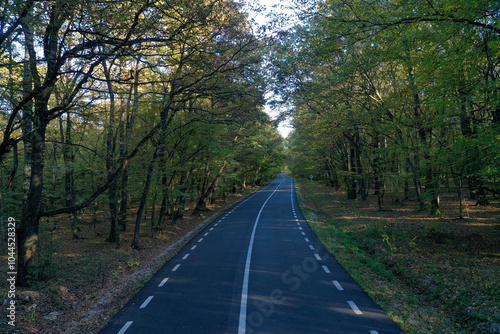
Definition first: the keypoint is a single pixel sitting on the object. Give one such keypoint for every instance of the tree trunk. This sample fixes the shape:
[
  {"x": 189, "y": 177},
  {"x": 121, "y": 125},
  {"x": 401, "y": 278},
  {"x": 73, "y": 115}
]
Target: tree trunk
[
  {"x": 144, "y": 197},
  {"x": 27, "y": 236},
  {"x": 128, "y": 127},
  {"x": 114, "y": 232},
  {"x": 69, "y": 159},
  {"x": 351, "y": 185},
  {"x": 202, "y": 201}
]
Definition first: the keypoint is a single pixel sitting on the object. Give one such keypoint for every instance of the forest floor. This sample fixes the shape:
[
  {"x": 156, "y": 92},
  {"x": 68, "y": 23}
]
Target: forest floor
[
  {"x": 430, "y": 274},
  {"x": 80, "y": 284}
]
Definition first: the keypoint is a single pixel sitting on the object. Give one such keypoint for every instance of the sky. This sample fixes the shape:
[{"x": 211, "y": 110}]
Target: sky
[{"x": 262, "y": 18}]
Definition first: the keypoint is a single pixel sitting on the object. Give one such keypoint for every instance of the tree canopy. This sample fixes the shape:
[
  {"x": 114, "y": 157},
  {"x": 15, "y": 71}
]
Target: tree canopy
[
  {"x": 108, "y": 103},
  {"x": 394, "y": 94}
]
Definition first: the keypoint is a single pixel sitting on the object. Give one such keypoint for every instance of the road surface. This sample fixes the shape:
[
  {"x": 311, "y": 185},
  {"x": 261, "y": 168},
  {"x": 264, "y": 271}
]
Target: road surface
[{"x": 257, "y": 268}]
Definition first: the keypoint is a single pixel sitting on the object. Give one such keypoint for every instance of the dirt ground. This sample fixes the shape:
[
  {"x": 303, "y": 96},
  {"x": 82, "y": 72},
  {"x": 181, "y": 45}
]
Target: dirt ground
[{"x": 81, "y": 283}]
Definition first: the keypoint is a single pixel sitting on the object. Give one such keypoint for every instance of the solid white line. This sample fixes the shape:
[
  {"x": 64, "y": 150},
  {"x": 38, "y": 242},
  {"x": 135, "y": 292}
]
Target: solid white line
[
  {"x": 354, "y": 307},
  {"x": 307, "y": 239},
  {"x": 125, "y": 327},
  {"x": 338, "y": 286},
  {"x": 192, "y": 248},
  {"x": 185, "y": 256},
  {"x": 311, "y": 246},
  {"x": 163, "y": 282},
  {"x": 325, "y": 268},
  {"x": 244, "y": 289},
  {"x": 146, "y": 302},
  {"x": 317, "y": 257},
  {"x": 176, "y": 267},
  {"x": 373, "y": 332}
]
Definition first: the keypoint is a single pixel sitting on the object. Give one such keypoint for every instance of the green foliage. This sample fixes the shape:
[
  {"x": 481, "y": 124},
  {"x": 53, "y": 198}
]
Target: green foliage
[{"x": 395, "y": 93}]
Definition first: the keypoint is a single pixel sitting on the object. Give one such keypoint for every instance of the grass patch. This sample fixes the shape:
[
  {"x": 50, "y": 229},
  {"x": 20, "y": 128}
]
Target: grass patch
[{"x": 431, "y": 275}]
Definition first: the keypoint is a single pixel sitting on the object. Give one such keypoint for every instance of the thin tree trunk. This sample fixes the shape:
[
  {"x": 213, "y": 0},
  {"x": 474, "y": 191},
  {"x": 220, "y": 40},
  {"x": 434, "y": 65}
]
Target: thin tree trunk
[
  {"x": 202, "y": 201},
  {"x": 69, "y": 159},
  {"x": 114, "y": 233},
  {"x": 127, "y": 135}
]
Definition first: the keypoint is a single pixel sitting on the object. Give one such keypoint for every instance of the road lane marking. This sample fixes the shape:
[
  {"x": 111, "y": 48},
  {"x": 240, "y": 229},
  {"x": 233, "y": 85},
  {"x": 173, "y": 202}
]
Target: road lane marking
[
  {"x": 201, "y": 239},
  {"x": 300, "y": 228},
  {"x": 217, "y": 223},
  {"x": 298, "y": 224},
  {"x": 373, "y": 332},
  {"x": 211, "y": 229},
  {"x": 303, "y": 233},
  {"x": 146, "y": 302},
  {"x": 163, "y": 282},
  {"x": 306, "y": 239},
  {"x": 325, "y": 268},
  {"x": 311, "y": 246},
  {"x": 338, "y": 286},
  {"x": 176, "y": 267},
  {"x": 205, "y": 234},
  {"x": 317, "y": 257},
  {"x": 354, "y": 307},
  {"x": 185, "y": 256},
  {"x": 125, "y": 327},
  {"x": 244, "y": 290},
  {"x": 192, "y": 248}
]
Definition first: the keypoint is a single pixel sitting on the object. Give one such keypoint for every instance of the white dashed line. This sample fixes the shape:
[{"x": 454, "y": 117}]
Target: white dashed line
[
  {"x": 205, "y": 234},
  {"x": 192, "y": 248},
  {"x": 303, "y": 233},
  {"x": 185, "y": 256},
  {"x": 201, "y": 239},
  {"x": 163, "y": 282},
  {"x": 306, "y": 239},
  {"x": 217, "y": 223},
  {"x": 298, "y": 224},
  {"x": 373, "y": 332},
  {"x": 211, "y": 229},
  {"x": 242, "y": 324},
  {"x": 325, "y": 268},
  {"x": 296, "y": 220},
  {"x": 311, "y": 246},
  {"x": 338, "y": 286},
  {"x": 125, "y": 327},
  {"x": 300, "y": 228},
  {"x": 354, "y": 307},
  {"x": 176, "y": 267},
  {"x": 317, "y": 257},
  {"x": 146, "y": 302}
]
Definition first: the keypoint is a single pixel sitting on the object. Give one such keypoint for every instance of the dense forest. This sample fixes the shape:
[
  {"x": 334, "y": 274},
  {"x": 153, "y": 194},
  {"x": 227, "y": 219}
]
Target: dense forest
[
  {"x": 400, "y": 96},
  {"x": 113, "y": 105}
]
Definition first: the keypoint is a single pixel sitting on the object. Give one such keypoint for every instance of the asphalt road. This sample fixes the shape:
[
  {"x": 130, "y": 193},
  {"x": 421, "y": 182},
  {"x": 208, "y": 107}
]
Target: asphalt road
[{"x": 258, "y": 268}]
